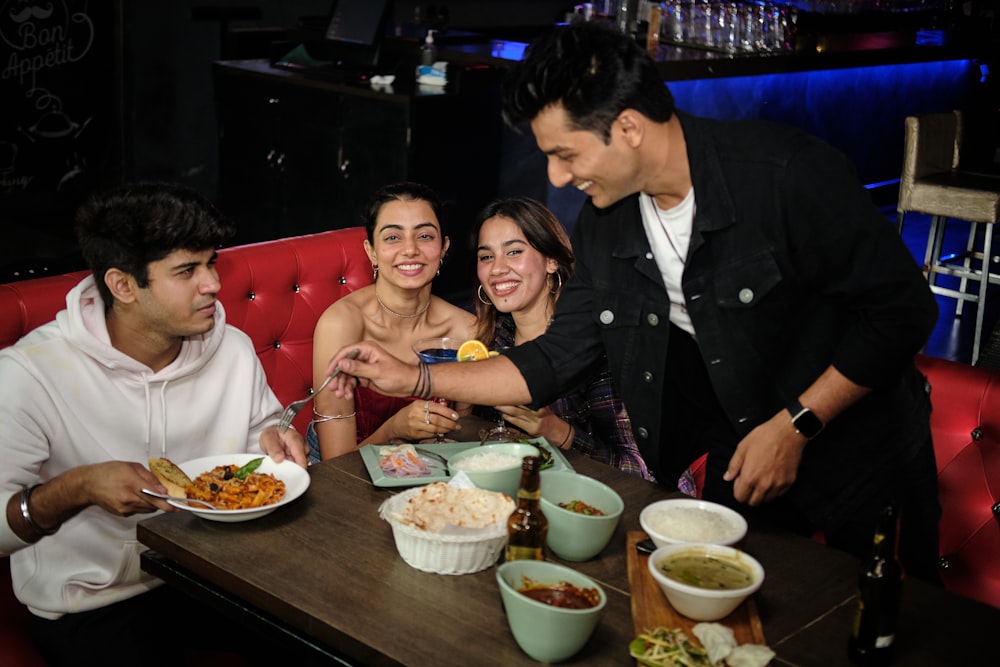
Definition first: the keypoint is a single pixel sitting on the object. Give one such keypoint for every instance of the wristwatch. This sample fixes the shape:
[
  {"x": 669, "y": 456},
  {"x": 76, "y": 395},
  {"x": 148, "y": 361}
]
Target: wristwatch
[{"x": 804, "y": 420}]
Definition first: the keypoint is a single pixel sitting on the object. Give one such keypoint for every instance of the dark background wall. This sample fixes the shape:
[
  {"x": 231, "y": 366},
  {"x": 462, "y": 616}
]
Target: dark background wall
[{"x": 100, "y": 91}]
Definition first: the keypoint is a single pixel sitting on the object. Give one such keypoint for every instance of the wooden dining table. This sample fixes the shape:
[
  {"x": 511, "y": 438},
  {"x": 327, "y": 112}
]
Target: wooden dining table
[{"x": 322, "y": 575}]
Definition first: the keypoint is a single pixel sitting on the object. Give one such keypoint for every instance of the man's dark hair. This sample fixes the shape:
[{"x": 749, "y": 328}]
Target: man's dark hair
[
  {"x": 594, "y": 72},
  {"x": 131, "y": 225},
  {"x": 404, "y": 191}
]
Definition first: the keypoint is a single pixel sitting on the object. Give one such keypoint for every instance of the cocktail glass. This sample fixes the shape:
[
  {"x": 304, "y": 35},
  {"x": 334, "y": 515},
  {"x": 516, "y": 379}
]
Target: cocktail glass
[
  {"x": 501, "y": 432},
  {"x": 436, "y": 351}
]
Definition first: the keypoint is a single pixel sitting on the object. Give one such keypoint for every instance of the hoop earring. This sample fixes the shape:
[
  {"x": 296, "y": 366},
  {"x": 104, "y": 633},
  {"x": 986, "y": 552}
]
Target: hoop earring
[
  {"x": 479, "y": 292},
  {"x": 558, "y": 287},
  {"x": 440, "y": 264},
  {"x": 374, "y": 272}
]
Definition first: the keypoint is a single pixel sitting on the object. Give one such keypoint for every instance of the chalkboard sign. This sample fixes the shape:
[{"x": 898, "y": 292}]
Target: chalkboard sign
[{"x": 59, "y": 117}]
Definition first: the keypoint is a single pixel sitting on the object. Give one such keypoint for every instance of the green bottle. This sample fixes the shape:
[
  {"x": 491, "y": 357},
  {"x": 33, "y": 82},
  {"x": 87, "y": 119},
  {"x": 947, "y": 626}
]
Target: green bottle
[{"x": 879, "y": 584}]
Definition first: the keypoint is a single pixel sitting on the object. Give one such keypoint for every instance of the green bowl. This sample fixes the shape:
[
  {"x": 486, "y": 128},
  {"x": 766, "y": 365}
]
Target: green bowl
[
  {"x": 574, "y": 536},
  {"x": 544, "y": 632},
  {"x": 505, "y": 479}
]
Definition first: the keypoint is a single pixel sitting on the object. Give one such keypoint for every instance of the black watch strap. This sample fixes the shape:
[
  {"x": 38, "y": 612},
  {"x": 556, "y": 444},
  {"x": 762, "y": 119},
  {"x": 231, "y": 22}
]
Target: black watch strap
[{"x": 804, "y": 420}]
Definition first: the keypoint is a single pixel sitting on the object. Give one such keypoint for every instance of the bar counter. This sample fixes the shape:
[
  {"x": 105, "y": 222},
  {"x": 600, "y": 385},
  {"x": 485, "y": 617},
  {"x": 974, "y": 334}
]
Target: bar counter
[{"x": 323, "y": 572}]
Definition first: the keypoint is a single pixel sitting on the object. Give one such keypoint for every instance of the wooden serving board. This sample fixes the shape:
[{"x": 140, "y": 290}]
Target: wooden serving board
[{"x": 651, "y": 609}]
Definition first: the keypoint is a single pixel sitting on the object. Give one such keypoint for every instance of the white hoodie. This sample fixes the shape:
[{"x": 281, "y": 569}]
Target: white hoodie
[{"x": 68, "y": 398}]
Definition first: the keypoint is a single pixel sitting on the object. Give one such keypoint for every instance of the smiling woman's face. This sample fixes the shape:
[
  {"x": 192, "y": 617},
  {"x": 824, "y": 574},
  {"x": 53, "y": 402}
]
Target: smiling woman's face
[
  {"x": 513, "y": 273},
  {"x": 408, "y": 245}
]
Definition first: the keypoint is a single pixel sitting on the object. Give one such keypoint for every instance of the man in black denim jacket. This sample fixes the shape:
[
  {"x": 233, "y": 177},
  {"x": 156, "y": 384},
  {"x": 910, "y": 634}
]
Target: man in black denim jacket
[{"x": 751, "y": 301}]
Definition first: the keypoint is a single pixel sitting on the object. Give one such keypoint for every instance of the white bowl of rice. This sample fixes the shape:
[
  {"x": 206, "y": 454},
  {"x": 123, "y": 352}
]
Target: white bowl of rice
[
  {"x": 447, "y": 528},
  {"x": 494, "y": 467},
  {"x": 692, "y": 521}
]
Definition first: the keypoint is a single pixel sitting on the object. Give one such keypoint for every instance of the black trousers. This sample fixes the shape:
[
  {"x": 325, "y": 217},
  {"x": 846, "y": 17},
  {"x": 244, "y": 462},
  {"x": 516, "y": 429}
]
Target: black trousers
[{"x": 695, "y": 423}]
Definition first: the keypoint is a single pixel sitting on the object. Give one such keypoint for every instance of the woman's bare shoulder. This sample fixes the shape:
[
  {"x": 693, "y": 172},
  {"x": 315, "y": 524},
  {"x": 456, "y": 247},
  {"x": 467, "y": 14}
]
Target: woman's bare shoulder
[
  {"x": 346, "y": 315},
  {"x": 461, "y": 323}
]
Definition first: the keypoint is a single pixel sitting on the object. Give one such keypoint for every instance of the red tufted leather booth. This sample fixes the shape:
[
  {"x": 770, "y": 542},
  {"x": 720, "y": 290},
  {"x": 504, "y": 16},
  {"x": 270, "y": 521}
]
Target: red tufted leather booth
[
  {"x": 275, "y": 291},
  {"x": 966, "y": 425}
]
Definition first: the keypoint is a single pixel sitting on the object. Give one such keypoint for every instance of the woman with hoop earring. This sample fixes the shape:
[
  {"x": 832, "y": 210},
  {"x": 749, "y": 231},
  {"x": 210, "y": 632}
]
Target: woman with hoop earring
[{"x": 523, "y": 259}]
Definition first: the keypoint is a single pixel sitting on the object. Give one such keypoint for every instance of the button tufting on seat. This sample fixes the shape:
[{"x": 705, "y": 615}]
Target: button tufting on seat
[
  {"x": 996, "y": 509},
  {"x": 295, "y": 288},
  {"x": 251, "y": 296},
  {"x": 977, "y": 434},
  {"x": 343, "y": 280},
  {"x": 944, "y": 563},
  {"x": 277, "y": 344}
]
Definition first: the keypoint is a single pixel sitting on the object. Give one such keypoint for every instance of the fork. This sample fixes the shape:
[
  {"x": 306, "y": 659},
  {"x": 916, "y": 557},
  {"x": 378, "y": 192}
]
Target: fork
[
  {"x": 189, "y": 501},
  {"x": 437, "y": 457},
  {"x": 295, "y": 407}
]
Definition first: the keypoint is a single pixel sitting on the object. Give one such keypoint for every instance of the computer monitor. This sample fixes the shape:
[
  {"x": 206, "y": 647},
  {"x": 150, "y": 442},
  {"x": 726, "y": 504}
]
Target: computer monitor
[{"x": 355, "y": 30}]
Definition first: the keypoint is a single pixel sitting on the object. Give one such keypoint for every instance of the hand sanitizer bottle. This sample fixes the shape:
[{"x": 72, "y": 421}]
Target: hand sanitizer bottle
[{"x": 428, "y": 52}]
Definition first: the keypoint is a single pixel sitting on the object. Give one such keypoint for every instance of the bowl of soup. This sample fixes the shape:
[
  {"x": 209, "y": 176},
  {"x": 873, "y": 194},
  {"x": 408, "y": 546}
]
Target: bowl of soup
[
  {"x": 493, "y": 467},
  {"x": 552, "y": 610},
  {"x": 705, "y": 582},
  {"x": 582, "y": 514}
]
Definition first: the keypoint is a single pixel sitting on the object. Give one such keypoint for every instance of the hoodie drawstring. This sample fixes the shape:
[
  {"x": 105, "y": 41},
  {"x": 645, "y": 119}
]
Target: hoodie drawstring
[
  {"x": 149, "y": 411},
  {"x": 149, "y": 415},
  {"x": 163, "y": 419}
]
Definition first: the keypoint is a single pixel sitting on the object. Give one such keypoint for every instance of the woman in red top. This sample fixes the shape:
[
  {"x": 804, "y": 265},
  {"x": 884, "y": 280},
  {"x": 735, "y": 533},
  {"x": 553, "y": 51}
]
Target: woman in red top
[{"x": 406, "y": 245}]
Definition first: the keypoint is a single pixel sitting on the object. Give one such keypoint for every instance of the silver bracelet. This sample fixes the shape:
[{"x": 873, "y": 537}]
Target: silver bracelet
[
  {"x": 319, "y": 417},
  {"x": 26, "y": 513}
]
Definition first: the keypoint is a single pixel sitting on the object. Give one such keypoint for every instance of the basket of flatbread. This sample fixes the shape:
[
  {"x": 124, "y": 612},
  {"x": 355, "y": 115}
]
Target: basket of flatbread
[{"x": 448, "y": 528}]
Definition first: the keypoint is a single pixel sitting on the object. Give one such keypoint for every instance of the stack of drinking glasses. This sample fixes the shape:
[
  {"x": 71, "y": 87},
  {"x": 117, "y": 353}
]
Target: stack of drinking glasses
[{"x": 732, "y": 27}]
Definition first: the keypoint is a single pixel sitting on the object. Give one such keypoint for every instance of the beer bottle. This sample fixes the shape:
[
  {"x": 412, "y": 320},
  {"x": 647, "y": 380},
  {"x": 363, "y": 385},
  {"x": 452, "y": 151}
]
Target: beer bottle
[
  {"x": 527, "y": 526},
  {"x": 879, "y": 583}
]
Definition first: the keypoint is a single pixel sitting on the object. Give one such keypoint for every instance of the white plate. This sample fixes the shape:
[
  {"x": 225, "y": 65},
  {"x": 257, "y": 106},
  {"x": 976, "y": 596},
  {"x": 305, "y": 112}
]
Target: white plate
[{"x": 294, "y": 476}]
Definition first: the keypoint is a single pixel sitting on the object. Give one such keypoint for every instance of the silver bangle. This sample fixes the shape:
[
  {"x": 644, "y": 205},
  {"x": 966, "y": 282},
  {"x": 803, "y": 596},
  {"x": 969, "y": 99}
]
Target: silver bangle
[
  {"x": 26, "y": 513},
  {"x": 319, "y": 417}
]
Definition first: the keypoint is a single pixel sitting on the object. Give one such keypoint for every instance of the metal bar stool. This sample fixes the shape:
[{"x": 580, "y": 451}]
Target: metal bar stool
[{"x": 933, "y": 184}]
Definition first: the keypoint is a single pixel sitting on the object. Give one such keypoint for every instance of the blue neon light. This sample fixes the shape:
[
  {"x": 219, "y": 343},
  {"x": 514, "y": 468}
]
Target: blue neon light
[{"x": 859, "y": 110}]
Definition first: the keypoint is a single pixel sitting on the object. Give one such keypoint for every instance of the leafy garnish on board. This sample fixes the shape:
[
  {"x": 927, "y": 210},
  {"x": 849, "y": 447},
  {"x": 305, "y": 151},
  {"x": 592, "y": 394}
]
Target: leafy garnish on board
[{"x": 663, "y": 647}]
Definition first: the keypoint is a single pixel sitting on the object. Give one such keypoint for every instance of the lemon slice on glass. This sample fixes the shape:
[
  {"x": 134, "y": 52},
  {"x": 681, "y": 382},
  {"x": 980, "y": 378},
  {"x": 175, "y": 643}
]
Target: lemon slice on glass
[{"x": 473, "y": 350}]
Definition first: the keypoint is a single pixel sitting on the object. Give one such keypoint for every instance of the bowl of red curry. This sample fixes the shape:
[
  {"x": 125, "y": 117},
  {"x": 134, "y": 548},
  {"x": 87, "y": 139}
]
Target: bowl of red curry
[{"x": 552, "y": 609}]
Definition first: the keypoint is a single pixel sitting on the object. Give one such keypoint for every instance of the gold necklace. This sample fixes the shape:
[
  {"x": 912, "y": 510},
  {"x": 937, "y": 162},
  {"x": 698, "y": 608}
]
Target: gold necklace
[{"x": 393, "y": 312}]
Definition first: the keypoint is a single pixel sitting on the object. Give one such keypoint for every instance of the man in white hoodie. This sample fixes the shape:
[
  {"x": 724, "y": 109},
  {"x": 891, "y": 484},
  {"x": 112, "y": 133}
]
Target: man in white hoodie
[{"x": 141, "y": 363}]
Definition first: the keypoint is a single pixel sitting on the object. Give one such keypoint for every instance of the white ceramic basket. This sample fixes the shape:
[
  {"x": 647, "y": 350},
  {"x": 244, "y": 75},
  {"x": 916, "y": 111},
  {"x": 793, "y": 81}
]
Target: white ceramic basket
[{"x": 463, "y": 551}]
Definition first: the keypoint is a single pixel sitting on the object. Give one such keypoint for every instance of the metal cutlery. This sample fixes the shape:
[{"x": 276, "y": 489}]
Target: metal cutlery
[
  {"x": 295, "y": 407},
  {"x": 190, "y": 501}
]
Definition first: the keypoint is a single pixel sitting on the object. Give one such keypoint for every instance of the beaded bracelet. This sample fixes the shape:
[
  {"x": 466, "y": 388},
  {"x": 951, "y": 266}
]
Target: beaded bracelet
[
  {"x": 319, "y": 418},
  {"x": 26, "y": 513}
]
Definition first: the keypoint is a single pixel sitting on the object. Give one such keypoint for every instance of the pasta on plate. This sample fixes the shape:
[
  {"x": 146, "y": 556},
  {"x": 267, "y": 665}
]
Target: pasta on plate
[{"x": 223, "y": 489}]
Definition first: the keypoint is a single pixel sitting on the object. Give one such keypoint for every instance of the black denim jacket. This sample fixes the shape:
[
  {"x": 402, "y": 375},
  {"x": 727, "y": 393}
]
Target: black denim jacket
[{"x": 790, "y": 269}]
